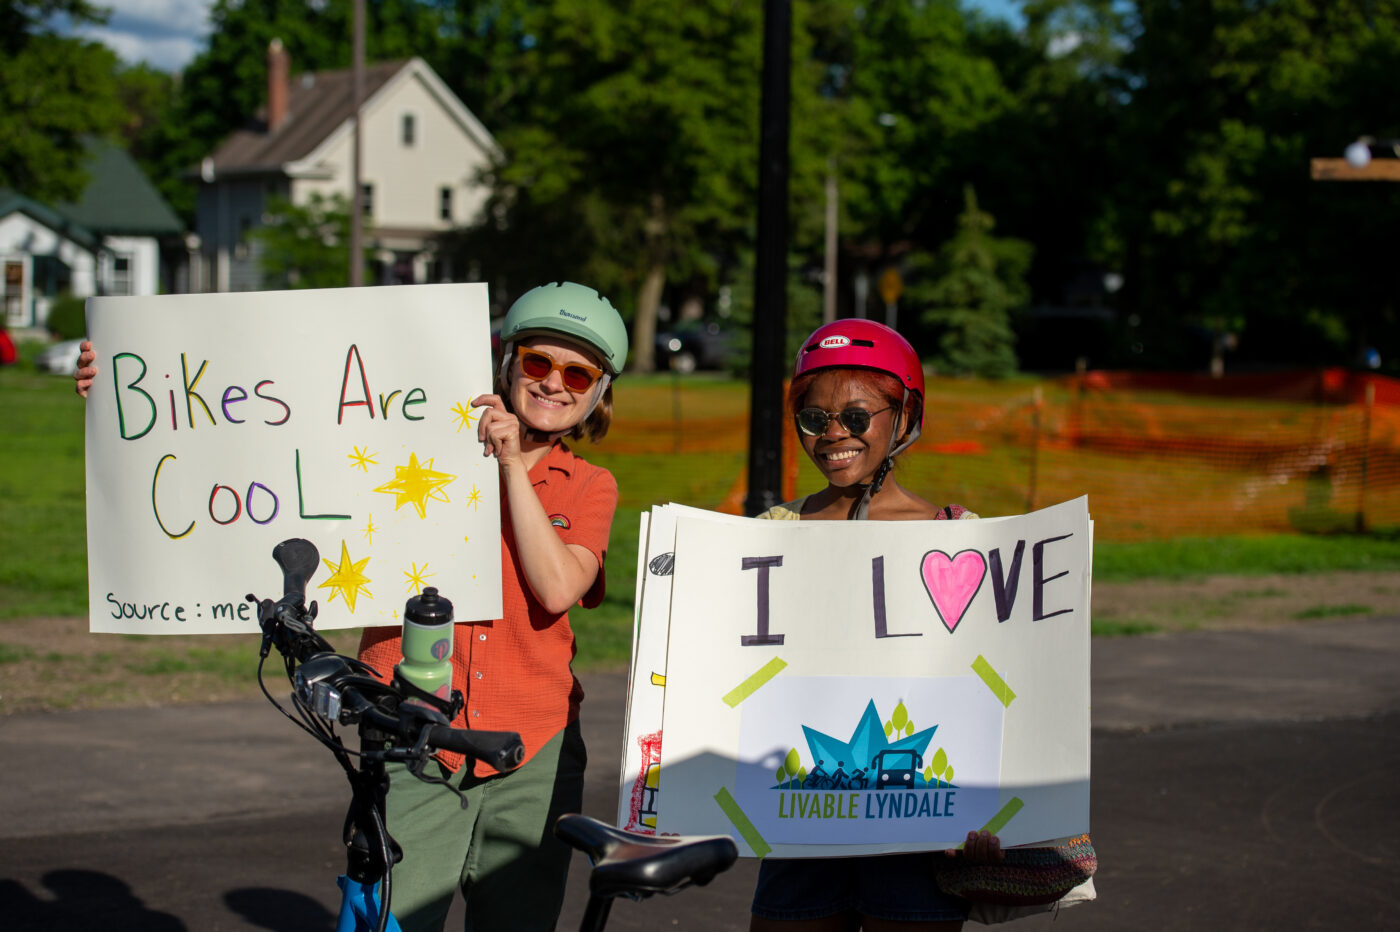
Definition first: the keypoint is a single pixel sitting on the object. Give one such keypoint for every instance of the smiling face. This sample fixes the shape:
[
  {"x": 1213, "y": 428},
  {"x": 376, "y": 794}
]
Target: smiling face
[
  {"x": 843, "y": 459},
  {"x": 546, "y": 405}
]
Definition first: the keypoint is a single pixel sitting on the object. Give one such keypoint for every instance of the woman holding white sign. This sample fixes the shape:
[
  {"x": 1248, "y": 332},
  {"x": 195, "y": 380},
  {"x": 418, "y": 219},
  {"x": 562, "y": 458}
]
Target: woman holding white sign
[
  {"x": 561, "y": 345},
  {"x": 856, "y": 399}
]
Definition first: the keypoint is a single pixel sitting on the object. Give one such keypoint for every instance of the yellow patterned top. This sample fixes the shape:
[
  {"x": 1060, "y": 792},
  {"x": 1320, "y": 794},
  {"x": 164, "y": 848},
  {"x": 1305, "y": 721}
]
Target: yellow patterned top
[{"x": 790, "y": 511}]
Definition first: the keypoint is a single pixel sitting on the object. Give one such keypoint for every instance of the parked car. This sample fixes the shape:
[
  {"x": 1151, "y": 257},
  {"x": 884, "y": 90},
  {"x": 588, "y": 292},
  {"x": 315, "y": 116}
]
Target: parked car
[
  {"x": 695, "y": 344},
  {"x": 60, "y": 358}
]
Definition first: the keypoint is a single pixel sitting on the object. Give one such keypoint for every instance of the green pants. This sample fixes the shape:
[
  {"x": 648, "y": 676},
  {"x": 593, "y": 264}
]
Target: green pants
[{"x": 500, "y": 851}]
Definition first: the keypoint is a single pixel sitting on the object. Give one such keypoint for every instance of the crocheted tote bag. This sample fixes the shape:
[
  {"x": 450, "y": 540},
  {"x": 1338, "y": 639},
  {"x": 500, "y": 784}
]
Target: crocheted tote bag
[{"x": 1026, "y": 877}]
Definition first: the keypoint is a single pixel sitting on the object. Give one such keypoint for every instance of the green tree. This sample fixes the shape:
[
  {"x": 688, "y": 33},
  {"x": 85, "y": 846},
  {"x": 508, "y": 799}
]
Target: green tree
[
  {"x": 1221, "y": 222},
  {"x": 918, "y": 93},
  {"x": 1046, "y": 163},
  {"x": 306, "y": 246},
  {"x": 631, "y": 156},
  {"x": 975, "y": 282},
  {"x": 53, "y": 91},
  {"x": 147, "y": 96}
]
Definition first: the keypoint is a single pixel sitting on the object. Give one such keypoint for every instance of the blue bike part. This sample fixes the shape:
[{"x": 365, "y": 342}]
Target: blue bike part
[{"x": 359, "y": 907}]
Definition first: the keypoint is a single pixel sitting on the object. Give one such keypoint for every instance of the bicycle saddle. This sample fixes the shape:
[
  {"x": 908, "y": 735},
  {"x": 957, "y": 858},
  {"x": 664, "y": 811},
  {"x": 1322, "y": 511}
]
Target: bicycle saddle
[{"x": 638, "y": 866}]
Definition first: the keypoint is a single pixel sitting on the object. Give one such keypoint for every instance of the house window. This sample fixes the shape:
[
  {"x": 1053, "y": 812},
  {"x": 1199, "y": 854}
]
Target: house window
[
  {"x": 14, "y": 293},
  {"x": 445, "y": 203},
  {"x": 120, "y": 281},
  {"x": 367, "y": 199},
  {"x": 408, "y": 130}
]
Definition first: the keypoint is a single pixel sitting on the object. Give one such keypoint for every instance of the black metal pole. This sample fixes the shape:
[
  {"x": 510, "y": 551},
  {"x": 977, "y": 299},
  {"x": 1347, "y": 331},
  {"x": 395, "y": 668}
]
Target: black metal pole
[{"x": 770, "y": 279}]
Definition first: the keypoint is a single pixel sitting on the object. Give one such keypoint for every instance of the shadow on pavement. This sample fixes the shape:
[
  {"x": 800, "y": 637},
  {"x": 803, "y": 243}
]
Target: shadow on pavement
[
  {"x": 81, "y": 900},
  {"x": 280, "y": 910}
]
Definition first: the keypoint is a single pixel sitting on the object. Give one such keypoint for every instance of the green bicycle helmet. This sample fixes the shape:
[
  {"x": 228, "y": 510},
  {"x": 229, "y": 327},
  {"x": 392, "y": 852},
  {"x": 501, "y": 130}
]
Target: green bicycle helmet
[{"x": 573, "y": 311}]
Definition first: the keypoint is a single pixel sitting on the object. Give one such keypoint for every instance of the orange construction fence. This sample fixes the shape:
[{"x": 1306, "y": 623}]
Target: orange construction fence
[
  {"x": 1159, "y": 455},
  {"x": 1169, "y": 456}
]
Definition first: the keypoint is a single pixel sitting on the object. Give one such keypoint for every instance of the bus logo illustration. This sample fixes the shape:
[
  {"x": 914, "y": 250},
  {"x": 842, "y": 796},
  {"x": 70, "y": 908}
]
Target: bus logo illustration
[{"x": 879, "y": 755}]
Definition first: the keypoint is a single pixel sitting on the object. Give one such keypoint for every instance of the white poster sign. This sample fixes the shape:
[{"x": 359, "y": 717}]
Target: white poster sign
[
  {"x": 641, "y": 750},
  {"x": 840, "y": 688},
  {"x": 222, "y": 424}
]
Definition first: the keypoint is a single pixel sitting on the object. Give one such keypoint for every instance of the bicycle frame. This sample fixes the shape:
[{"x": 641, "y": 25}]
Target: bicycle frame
[
  {"x": 396, "y": 722},
  {"x": 331, "y": 689}
]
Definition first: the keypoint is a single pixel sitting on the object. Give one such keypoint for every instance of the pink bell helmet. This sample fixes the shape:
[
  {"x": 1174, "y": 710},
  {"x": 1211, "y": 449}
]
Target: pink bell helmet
[{"x": 867, "y": 345}]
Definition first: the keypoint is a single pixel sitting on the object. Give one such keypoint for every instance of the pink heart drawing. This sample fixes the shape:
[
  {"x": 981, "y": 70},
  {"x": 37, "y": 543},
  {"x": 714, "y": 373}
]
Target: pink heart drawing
[{"x": 952, "y": 582}]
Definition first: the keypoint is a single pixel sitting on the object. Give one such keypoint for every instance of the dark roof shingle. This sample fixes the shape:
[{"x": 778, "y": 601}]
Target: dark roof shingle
[
  {"x": 119, "y": 198},
  {"x": 317, "y": 103}
]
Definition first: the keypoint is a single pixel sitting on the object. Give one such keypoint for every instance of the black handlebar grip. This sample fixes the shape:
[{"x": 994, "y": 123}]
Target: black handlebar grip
[
  {"x": 503, "y": 750},
  {"x": 298, "y": 559}
]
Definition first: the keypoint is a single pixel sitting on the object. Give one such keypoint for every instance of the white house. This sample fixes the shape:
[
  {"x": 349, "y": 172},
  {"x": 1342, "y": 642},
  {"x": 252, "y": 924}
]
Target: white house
[
  {"x": 421, "y": 149},
  {"x": 108, "y": 242}
]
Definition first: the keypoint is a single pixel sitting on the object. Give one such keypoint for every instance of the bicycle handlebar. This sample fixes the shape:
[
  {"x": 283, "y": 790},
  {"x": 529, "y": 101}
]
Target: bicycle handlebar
[
  {"x": 297, "y": 558},
  {"x": 503, "y": 750},
  {"x": 345, "y": 690}
]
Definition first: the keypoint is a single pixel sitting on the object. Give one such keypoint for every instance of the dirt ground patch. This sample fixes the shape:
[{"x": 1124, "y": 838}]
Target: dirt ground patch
[
  {"x": 55, "y": 663},
  {"x": 1241, "y": 601},
  {"x": 49, "y": 664}
]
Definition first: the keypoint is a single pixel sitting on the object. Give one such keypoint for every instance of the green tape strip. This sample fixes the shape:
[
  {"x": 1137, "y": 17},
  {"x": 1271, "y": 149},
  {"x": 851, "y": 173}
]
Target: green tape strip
[
  {"x": 1007, "y": 813},
  {"x": 995, "y": 683},
  {"x": 741, "y": 822},
  {"x": 750, "y": 686},
  {"x": 998, "y": 821}
]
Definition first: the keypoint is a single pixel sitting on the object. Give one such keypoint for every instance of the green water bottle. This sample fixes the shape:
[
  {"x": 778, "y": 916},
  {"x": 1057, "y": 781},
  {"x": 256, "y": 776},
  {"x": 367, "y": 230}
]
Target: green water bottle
[{"x": 427, "y": 644}]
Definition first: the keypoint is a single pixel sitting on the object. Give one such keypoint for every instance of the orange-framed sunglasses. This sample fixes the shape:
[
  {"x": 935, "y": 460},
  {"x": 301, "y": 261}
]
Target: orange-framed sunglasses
[{"x": 536, "y": 366}]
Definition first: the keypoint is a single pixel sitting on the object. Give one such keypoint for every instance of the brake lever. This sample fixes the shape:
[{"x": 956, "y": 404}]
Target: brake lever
[{"x": 420, "y": 760}]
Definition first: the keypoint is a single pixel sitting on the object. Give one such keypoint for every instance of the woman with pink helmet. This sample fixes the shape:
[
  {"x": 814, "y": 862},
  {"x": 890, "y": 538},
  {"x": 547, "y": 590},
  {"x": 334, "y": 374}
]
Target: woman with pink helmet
[{"x": 857, "y": 402}]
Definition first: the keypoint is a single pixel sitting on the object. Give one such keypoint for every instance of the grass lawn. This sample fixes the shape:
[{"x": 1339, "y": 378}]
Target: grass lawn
[
  {"x": 676, "y": 440},
  {"x": 43, "y": 517}
]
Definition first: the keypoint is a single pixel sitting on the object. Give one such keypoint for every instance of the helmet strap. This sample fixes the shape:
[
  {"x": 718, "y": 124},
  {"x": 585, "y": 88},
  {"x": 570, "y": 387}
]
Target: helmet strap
[{"x": 860, "y": 511}]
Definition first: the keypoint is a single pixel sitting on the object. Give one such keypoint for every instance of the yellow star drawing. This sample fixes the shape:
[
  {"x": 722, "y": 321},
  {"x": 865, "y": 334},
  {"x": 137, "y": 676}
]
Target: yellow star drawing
[
  {"x": 369, "y": 530},
  {"x": 464, "y": 416},
  {"x": 362, "y": 458},
  {"x": 474, "y": 499},
  {"x": 415, "y": 484},
  {"x": 417, "y": 577},
  {"x": 347, "y": 580}
]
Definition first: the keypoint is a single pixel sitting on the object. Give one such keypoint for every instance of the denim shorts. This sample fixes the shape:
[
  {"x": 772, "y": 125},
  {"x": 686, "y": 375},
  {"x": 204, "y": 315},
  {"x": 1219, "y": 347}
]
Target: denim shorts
[{"x": 897, "y": 887}]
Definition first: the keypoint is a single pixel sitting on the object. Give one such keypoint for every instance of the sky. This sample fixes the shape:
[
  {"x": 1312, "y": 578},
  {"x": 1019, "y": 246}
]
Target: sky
[{"x": 166, "y": 34}]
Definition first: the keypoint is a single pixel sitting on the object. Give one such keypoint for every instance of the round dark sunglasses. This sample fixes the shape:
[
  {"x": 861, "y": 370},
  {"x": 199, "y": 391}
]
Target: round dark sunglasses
[
  {"x": 537, "y": 365},
  {"x": 813, "y": 421}
]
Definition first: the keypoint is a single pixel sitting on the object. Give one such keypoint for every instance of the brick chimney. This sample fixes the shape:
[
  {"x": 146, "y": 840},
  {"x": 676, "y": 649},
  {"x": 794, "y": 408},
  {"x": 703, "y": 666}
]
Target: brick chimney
[{"x": 278, "y": 66}]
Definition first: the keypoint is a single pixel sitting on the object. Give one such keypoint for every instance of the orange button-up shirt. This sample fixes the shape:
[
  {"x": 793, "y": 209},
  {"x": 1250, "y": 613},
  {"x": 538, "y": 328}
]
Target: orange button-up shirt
[{"x": 515, "y": 671}]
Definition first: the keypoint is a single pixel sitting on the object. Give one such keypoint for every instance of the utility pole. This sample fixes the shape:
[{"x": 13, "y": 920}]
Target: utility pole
[
  {"x": 833, "y": 214},
  {"x": 770, "y": 277},
  {"x": 357, "y": 197}
]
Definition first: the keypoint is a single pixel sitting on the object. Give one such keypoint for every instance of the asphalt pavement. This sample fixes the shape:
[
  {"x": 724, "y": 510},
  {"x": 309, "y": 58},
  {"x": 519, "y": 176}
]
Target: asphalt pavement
[{"x": 1242, "y": 780}]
